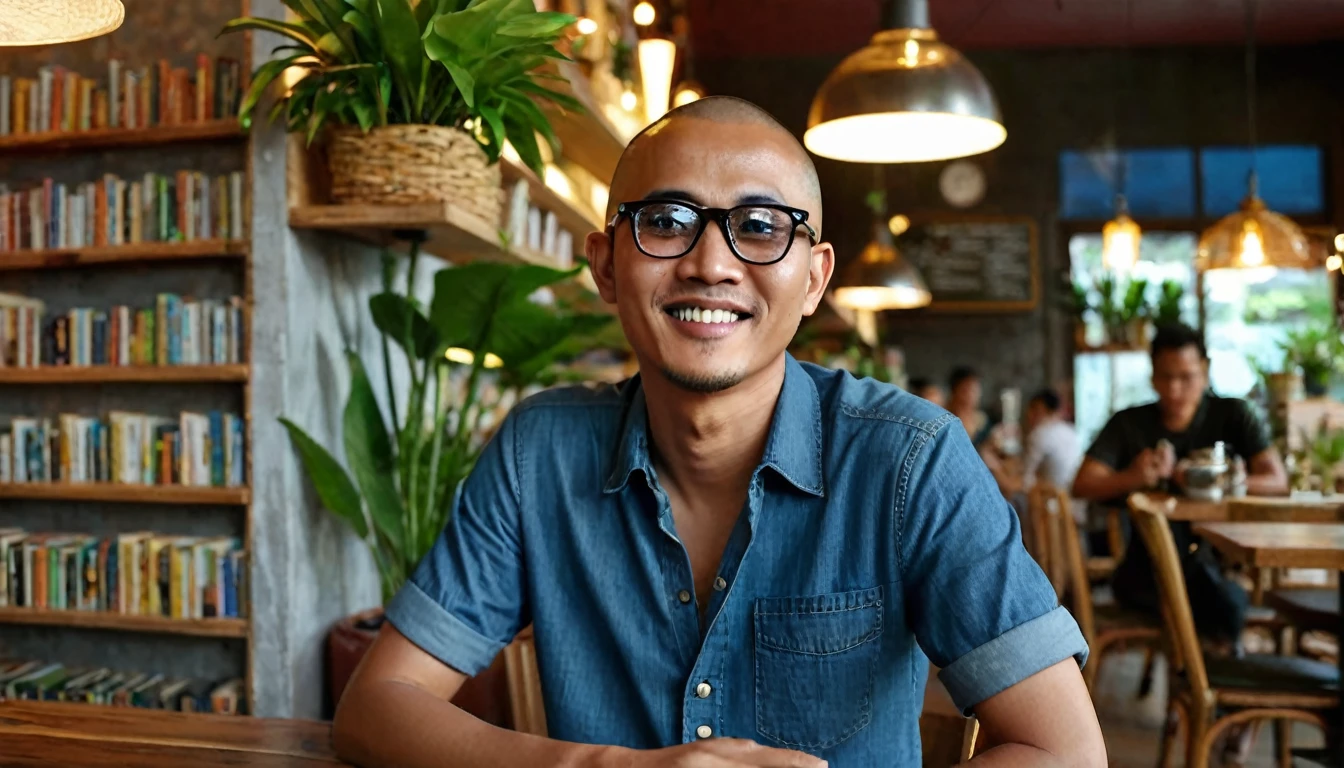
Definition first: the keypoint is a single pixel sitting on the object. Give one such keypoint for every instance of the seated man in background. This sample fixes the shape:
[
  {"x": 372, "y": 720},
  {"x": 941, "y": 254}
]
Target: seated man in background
[
  {"x": 964, "y": 393},
  {"x": 1125, "y": 459},
  {"x": 1052, "y": 452},
  {"x": 925, "y": 388}
]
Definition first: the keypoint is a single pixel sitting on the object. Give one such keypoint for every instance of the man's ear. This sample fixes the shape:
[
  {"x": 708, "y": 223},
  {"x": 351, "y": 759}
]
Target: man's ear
[
  {"x": 819, "y": 274},
  {"x": 597, "y": 247}
]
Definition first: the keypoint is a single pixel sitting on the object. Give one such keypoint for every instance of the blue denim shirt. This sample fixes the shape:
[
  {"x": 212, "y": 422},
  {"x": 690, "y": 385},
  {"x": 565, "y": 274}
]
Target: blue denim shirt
[{"x": 872, "y": 536}]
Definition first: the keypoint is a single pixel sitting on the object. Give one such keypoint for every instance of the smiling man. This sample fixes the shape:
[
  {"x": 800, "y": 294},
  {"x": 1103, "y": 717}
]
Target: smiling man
[{"x": 734, "y": 559}]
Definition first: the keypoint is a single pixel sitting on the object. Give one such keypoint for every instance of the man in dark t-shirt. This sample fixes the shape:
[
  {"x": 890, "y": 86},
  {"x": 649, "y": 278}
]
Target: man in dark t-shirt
[{"x": 1125, "y": 458}]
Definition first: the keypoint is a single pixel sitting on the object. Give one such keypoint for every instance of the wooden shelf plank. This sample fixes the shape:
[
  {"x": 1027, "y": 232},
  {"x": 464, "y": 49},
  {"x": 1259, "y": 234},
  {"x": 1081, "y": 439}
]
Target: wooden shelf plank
[
  {"x": 126, "y": 623},
  {"x": 570, "y": 216},
  {"x": 586, "y": 138},
  {"x": 107, "y": 374},
  {"x": 122, "y": 492},
  {"x": 120, "y": 138},
  {"x": 63, "y": 258}
]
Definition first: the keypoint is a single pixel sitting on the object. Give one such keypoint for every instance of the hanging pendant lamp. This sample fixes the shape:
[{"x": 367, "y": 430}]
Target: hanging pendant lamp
[
  {"x": 44, "y": 22},
  {"x": 1253, "y": 237},
  {"x": 1120, "y": 240},
  {"x": 880, "y": 278},
  {"x": 905, "y": 97}
]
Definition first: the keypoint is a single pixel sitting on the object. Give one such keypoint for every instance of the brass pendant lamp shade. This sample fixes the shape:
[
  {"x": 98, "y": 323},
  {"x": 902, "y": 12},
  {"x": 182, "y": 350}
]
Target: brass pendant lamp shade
[
  {"x": 905, "y": 97},
  {"x": 1253, "y": 237},
  {"x": 880, "y": 278},
  {"x": 43, "y": 22}
]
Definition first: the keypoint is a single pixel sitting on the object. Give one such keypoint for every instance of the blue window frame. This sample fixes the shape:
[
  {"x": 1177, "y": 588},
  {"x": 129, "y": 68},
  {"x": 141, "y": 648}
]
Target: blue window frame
[
  {"x": 1291, "y": 178},
  {"x": 1159, "y": 182}
]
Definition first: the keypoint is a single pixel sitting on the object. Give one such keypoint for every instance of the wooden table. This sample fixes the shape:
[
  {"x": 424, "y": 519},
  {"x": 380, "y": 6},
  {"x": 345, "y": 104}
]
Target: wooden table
[
  {"x": 1284, "y": 545},
  {"x": 87, "y": 735},
  {"x": 1256, "y": 509}
]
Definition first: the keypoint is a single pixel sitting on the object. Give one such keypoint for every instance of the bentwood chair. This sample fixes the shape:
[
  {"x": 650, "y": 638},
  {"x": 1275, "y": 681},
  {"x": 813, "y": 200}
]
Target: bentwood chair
[
  {"x": 1044, "y": 502},
  {"x": 1212, "y": 693},
  {"x": 1106, "y": 627}
]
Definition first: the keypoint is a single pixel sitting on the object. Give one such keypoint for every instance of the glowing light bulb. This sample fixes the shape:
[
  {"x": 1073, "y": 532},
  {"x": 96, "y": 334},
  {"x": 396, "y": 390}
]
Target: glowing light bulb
[
  {"x": 586, "y": 26},
  {"x": 644, "y": 14},
  {"x": 685, "y": 96},
  {"x": 1334, "y": 262},
  {"x": 911, "y": 52},
  {"x": 628, "y": 100},
  {"x": 898, "y": 224},
  {"x": 1252, "y": 246},
  {"x": 1120, "y": 241},
  {"x": 1339, "y": 242}
]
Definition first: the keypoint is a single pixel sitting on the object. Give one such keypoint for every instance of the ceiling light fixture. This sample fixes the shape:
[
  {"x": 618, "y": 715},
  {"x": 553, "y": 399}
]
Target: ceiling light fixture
[
  {"x": 1120, "y": 240},
  {"x": 657, "y": 58},
  {"x": 1253, "y": 237},
  {"x": 44, "y": 22},
  {"x": 905, "y": 97}
]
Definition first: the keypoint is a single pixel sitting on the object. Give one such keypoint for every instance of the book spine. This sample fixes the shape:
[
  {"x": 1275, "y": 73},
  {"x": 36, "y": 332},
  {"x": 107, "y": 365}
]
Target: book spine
[{"x": 114, "y": 86}]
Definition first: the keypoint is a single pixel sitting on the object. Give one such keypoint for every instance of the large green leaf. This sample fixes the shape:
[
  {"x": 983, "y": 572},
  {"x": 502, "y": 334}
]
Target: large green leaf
[
  {"x": 363, "y": 27},
  {"x": 466, "y": 84},
  {"x": 295, "y": 32},
  {"x": 465, "y": 298},
  {"x": 526, "y": 279},
  {"x": 543, "y": 25},
  {"x": 399, "y": 33},
  {"x": 523, "y": 331},
  {"x": 579, "y": 337},
  {"x": 261, "y": 80},
  {"x": 563, "y": 99},
  {"x": 473, "y": 28},
  {"x": 424, "y": 14},
  {"x": 496, "y": 126},
  {"x": 333, "y": 485},
  {"x": 396, "y": 317},
  {"x": 368, "y": 449},
  {"x": 524, "y": 139}
]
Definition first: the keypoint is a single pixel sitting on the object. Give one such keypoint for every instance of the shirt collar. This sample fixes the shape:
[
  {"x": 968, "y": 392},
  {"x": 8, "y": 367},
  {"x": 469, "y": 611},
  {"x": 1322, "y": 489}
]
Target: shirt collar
[{"x": 792, "y": 449}]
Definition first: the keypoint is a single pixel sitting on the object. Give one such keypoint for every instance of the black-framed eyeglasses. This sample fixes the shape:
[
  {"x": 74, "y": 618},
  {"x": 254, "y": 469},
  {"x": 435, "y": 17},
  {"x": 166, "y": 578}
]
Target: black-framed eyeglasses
[{"x": 760, "y": 233}]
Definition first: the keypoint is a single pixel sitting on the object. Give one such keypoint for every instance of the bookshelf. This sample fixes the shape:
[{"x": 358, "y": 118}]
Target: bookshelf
[
  {"x": 234, "y": 628},
  {"x": 66, "y": 258},
  {"x": 122, "y": 138},
  {"x": 123, "y": 374},
  {"x": 132, "y": 274},
  {"x": 126, "y": 493}
]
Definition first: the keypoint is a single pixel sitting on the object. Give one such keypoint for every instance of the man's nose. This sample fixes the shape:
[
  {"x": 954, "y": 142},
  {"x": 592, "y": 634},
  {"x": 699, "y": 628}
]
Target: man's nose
[{"x": 712, "y": 260}]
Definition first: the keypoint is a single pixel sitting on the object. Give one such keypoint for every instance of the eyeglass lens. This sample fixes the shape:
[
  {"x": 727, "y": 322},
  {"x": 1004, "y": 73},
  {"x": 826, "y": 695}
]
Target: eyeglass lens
[{"x": 756, "y": 234}]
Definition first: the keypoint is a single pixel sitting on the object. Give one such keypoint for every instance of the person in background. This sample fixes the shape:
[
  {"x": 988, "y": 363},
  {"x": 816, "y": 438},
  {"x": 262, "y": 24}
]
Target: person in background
[
  {"x": 1125, "y": 458},
  {"x": 925, "y": 388},
  {"x": 964, "y": 392},
  {"x": 1053, "y": 452}
]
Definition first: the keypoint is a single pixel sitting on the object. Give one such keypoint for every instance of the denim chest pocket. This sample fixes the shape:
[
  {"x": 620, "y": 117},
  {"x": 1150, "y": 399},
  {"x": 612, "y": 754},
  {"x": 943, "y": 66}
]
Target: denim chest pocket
[{"x": 815, "y": 662}]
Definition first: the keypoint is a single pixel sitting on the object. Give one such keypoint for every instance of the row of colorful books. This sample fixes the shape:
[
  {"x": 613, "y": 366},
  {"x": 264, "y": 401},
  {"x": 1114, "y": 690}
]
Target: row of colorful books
[
  {"x": 62, "y": 100},
  {"x": 195, "y": 449},
  {"x": 48, "y": 681},
  {"x": 175, "y": 331},
  {"x": 184, "y": 207},
  {"x": 136, "y": 574}
]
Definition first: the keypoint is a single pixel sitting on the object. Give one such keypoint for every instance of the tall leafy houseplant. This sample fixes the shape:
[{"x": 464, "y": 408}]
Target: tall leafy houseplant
[
  {"x": 463, "y": 76},
  {"x": 1318, "y": 351},
  {"x": 400, "y": 472}
]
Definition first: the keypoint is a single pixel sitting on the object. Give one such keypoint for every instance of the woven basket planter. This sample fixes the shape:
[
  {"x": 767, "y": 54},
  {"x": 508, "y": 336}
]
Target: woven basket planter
[{"x": 401, "y": 164}]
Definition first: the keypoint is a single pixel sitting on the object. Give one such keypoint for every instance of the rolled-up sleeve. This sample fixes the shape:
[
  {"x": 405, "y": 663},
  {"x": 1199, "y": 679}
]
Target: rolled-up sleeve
[
  {"x": 465, "y": 601},
  {"x": 980, "y": 607}
]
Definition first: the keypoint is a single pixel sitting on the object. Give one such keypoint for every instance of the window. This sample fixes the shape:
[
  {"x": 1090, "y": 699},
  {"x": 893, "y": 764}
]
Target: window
[
  {"x": 1158, "y": 182},
  {"x": 1290, "y": 178}
]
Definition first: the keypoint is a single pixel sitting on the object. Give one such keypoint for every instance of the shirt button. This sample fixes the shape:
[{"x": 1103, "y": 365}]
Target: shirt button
[
  {"x": 703, "y": 690},
  {"x": 684, "y": 596},
  {"x": 704, "y": 731},
  {"x": 720, "y": 584}
]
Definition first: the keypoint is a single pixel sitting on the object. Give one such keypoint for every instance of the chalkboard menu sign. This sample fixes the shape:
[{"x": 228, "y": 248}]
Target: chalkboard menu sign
[{"x": 975, "y": 263}]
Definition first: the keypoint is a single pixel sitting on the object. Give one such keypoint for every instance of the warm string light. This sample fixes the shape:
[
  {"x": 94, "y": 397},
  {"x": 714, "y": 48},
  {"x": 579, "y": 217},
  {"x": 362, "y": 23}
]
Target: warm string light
[
  {"x": 1334, "y": 262},
  {"x": 898, "y": 224},
  {"x": 586, "y": 26},
  {"x": 629, "y": 100}
]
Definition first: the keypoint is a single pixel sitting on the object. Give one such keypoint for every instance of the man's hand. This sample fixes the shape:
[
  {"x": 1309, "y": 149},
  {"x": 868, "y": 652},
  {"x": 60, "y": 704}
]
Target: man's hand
[
  {"x": 1146, "y": 469},
  {"x": 715, "y": 753}
]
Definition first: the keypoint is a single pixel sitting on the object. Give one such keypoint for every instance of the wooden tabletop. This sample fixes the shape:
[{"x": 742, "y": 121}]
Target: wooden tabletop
[
  {"x": 1278, "y": 545},
  {"x": 51, "y": 734},
  {"x": 1256, "y": 509}
]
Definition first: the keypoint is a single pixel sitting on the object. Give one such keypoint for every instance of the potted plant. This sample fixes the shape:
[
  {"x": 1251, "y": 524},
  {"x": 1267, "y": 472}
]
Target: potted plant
[
  {"x": 1134, "y": 313},
  {"x": 1167, "y": 309},
  {"x": 1327, "y": 454},
  {"x": 401, "y": 467},
  {"x": 420, "y": 95},
  {"x": 1318, "y": 352},
  {"x": 1110, "y": 308},
  {"x": 1079, "y": 302}
]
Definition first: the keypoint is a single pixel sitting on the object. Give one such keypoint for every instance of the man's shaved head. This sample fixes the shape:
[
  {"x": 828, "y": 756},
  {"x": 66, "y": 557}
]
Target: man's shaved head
[{"x": 723, "y": 111}]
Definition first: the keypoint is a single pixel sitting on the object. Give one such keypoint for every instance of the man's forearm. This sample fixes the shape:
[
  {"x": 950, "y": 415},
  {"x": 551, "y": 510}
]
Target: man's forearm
[
  {"x": 1105, "y": 487},
  {"x": 1267, "y": 484},
  {"x": 399, "y": 724}
]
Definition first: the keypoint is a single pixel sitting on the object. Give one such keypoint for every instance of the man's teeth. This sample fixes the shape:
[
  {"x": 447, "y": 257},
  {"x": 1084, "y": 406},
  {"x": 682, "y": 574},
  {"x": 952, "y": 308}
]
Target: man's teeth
[{"x": 697, "y": 315}]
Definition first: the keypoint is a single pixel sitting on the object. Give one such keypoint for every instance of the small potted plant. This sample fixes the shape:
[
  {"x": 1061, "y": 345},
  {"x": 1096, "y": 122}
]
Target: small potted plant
[
  {"x": 1079, "y": 303},
  {"x": 1167, "y": 309},
  {"x": 1134, "y": 313},
  {"x": 420, "y": 95},
  {"x": 1327, "y": 454},
  {"x": 1318, "y": 352},
  {"x": 1110, "y": 308}
]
